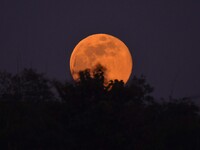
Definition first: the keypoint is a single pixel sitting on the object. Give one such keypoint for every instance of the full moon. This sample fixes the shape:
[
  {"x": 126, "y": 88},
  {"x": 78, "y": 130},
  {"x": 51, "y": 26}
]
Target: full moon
[{"x": 105, "y": 50}]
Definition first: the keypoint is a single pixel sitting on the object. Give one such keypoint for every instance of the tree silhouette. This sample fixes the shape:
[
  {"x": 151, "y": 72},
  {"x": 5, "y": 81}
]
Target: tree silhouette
[
  {"x": 92, "y": 114},
  {"x": 6, "y": 86},
  {"x": 28, "y": 85}
]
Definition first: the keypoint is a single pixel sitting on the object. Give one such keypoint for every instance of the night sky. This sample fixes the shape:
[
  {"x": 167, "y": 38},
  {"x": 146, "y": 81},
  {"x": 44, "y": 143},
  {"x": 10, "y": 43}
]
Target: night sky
[{"x": 162, "y": 35}]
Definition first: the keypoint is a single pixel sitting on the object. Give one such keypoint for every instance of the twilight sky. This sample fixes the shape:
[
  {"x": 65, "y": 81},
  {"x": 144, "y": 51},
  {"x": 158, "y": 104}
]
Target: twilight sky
[{"x": 163, "y": 36}]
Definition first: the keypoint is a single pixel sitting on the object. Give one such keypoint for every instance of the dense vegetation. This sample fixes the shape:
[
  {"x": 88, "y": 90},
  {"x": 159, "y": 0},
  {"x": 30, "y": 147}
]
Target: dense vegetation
[{"x": 41, "y": 114}]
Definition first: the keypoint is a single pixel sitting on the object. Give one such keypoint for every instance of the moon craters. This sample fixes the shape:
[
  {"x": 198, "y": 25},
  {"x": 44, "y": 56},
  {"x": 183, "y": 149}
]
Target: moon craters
[
  {"x": 102, "y": 38},
  {"x": 102, "y": 49},
  {"x": 99, "y": 50}
]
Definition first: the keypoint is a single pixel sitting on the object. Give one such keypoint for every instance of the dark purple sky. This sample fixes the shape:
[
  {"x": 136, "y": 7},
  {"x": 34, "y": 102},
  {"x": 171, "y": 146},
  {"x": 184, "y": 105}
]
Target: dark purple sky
[{"x": 163, "y": 36}]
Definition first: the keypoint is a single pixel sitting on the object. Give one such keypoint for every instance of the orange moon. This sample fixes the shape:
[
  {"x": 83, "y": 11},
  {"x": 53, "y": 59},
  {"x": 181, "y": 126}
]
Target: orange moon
[{"x": 106, "y": 50}]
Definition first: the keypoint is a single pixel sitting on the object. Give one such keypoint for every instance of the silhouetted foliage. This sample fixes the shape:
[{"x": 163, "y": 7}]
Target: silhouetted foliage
[
  {"x": 92, "y": 114},
  {"x": 27, "y": 85},
  {"x": 6, "y": 86}
]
